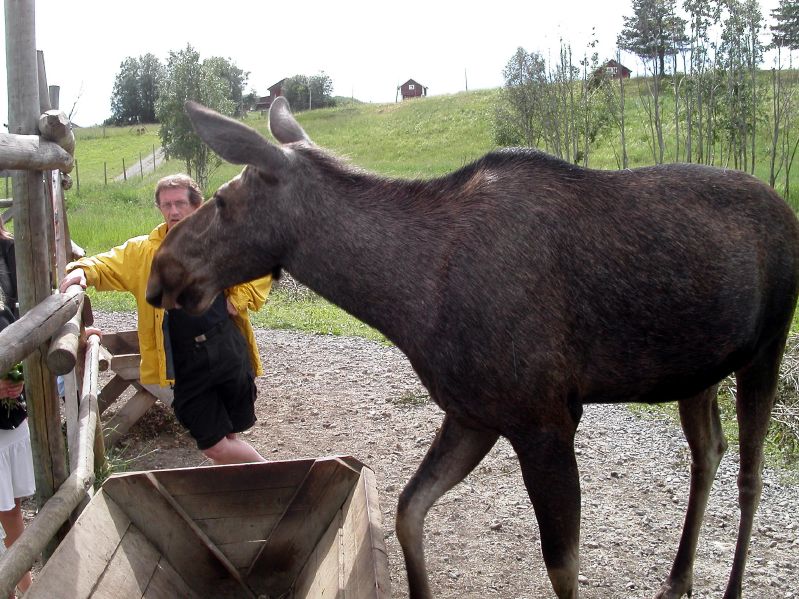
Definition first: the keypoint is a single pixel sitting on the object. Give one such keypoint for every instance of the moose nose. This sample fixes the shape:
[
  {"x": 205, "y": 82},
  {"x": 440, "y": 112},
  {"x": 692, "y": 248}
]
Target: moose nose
[
  {"x": 155, "y": 291},
  {"x": 154, "y": 297}
]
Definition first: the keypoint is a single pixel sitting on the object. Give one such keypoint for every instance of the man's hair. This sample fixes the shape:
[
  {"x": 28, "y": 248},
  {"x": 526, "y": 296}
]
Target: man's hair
[{"x": 180, "y": 181}]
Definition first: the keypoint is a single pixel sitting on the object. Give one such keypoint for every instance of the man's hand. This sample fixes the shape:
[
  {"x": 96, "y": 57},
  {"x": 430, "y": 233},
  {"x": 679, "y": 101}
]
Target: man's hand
[
  {"x": 92, "y": 331},
  {"x": 231, "y": 309},
  {"x": 75, "y": 277},
  {"x": 9, "y": 388}
]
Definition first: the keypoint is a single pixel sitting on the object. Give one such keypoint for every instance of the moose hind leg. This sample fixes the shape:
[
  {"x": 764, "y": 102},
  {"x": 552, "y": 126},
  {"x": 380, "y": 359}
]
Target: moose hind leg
[
  {"x": 701, "y": 424},
  {"x": 757, "y": 386},
  {"x": 454, "y": 453}
]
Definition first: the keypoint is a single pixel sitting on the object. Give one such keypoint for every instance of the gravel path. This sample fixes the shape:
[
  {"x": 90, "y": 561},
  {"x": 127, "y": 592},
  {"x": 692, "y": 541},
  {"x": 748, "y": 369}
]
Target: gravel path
[{"x": 334, "y": 395}]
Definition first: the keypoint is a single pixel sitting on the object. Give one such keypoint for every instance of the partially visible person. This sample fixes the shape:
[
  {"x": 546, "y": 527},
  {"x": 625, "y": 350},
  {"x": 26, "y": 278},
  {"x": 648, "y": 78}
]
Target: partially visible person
[
  {"x": 203, "y": 366},
  {"x": 17, "y": 479},
  {"x": 8, "y": 270}
]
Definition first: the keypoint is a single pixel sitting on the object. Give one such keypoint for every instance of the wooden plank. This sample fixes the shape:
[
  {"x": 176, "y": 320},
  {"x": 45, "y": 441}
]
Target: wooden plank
[
  {"x": 90, "y": 543},
  {"x": 241, "y": 555},
  {"x": 71, "y": 404},
  {"x": 237, "y": 503},
  {"x": 128, "y": 415},
  {"x": 167, "y": 584},
  {"x": 130, "y": 569},
  {"x": 364, "y": 560},
  {"x": 122, "y": 342},
  {"x": 174, "y": 536},
  {"x": 238, "y": 477},
  {"x": 321, "y": 576},
  {"x": 129, "y": 374},
  {"x": 201, "y": 536},
  {"x": 125, "y": 362},
  {"x": 321, "y": 495},
  {"x": 111, "y": 392},
  {"x": 239, "y": 529}
]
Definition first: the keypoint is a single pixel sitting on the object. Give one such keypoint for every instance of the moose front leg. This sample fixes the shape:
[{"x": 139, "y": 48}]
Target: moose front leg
[
  {"x": 454, "y": 453},
  {"x": 550, "y": 474}
]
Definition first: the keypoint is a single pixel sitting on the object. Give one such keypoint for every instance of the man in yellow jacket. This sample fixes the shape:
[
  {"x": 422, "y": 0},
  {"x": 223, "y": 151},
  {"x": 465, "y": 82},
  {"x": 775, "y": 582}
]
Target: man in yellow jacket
[{"x": 210, "y": 360}]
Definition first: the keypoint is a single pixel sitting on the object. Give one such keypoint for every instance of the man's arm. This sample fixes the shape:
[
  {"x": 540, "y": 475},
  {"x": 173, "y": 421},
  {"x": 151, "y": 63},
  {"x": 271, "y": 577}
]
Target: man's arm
[
  {"x": 114, "y": 270},
  {"x": 249, "y": 296}
]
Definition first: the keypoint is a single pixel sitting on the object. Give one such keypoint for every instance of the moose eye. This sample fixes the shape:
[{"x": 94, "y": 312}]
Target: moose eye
[{"x": 220, "y": 203}]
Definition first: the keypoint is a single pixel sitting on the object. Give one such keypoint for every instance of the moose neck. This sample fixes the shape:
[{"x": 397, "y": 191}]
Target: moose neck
[{"x": 371, "y": 246}]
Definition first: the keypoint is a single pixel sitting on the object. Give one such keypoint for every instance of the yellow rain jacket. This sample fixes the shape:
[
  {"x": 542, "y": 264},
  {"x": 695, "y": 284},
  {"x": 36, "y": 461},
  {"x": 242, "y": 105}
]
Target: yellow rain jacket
[{"x": 127, "y": 268}]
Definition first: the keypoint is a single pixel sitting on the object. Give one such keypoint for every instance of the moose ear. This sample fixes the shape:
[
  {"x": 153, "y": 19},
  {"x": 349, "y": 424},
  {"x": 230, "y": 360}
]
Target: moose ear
[
  {"x": 282, "y": 124},
  {"x": 233, "y": 141}
]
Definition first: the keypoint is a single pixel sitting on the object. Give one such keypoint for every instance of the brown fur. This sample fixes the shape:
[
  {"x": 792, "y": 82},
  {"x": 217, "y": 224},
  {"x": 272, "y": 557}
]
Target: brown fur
[{"x": 520, "y": 288}]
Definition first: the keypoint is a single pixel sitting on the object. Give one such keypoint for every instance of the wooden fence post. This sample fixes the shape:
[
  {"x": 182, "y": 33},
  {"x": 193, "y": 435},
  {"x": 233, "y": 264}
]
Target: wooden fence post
[
  {"x": 105, "y": 173},
  {"x": 124, "y": 170},
  {"x": 77, "y": 176},
  {"x": 33, "y": 263}
]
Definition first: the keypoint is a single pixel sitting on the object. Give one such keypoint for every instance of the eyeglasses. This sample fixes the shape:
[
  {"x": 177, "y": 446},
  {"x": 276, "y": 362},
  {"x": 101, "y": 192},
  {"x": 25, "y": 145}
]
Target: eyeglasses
[{"x": 180, "y": 205}]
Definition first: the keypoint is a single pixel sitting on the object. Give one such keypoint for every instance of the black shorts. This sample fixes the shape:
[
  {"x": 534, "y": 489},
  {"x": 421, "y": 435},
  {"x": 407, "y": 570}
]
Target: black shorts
[{"x": 214, "y": 386}]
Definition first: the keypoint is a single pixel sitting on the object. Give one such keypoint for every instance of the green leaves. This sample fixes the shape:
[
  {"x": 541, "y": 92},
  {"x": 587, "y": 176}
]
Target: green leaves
[
  {"x": 135, "y": 90},
  {"x": 208, "y": 82},
  {"x": 15, "y": 374}
]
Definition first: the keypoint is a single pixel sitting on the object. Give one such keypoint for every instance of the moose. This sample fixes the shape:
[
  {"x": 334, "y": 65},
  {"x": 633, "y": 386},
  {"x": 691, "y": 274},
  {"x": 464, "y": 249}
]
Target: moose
[{"x": 520, "y": 288}]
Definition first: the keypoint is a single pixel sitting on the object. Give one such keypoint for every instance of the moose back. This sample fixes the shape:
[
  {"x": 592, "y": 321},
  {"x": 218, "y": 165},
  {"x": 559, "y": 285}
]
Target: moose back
[{"x": 520, "y": 288}]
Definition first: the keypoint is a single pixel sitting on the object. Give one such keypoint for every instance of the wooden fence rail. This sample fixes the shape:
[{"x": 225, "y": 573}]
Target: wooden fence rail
[
  {"x": 31, "y": 152},
  {"x": 73, "y": 491},
  {"x": 19, "y": 339}
]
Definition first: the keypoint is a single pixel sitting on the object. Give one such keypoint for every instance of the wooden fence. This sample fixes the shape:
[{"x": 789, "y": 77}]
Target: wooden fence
[{"x": 39, "y": 151}]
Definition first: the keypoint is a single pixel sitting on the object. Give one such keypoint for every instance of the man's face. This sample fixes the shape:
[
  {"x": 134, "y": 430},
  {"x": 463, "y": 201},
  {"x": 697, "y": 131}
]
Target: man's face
[{"x": 173, "y": 202}]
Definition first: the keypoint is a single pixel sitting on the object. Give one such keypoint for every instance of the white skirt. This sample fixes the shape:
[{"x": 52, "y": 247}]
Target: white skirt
[{"x": 16, "y": 466}]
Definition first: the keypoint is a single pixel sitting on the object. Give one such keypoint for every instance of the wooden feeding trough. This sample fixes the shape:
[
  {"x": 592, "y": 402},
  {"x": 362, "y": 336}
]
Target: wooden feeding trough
[{"x": 293, "y": 529}]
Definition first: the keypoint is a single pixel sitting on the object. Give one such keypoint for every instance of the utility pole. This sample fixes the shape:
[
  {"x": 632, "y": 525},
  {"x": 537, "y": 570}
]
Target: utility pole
[{"x": 466, "y": 79}]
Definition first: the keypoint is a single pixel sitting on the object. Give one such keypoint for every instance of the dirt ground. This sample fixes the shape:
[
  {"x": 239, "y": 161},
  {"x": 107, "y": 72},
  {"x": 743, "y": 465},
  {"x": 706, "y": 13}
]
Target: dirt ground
[{"x": 327, "y": 395}]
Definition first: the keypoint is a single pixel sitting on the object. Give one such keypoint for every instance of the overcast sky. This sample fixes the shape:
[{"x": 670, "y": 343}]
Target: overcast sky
[{"x": 367, "y": 47}]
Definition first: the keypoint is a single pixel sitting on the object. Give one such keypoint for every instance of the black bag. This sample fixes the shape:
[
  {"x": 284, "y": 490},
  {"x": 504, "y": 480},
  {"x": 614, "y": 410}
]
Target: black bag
[
  {"x": 10, "y": 417},
  {"x": 13, "y": 417}
]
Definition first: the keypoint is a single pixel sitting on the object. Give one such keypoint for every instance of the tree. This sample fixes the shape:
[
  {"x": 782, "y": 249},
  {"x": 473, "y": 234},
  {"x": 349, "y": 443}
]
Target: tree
[
  {"x": 187, "y": 78},
  {"x": 740, "y": 53},
  {"x": 785, "y": 31},
  {"x": 250, "y": 99},
  {"x": 234, "y": 77},
  {"x": 321, "y": 91},
  {"x": 136, "y": 90},
  {"x": 552, "y": 107},
  {"x": 701, "y": 80},
  {"x": 305, "y": 93},
  {"x": 653, "y": 32},
  {"x": 518, "y": 118},
  {"x": 151, "y": 72}
]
